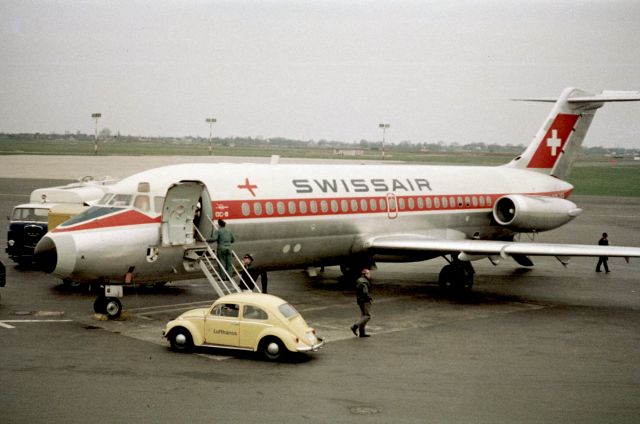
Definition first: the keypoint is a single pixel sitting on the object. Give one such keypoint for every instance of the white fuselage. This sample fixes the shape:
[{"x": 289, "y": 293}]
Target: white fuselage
[{"x": 286, "y": 216}]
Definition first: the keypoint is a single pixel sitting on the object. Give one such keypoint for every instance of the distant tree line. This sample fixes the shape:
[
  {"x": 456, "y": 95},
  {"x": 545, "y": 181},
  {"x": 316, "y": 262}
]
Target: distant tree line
[{"x": 107, "y": 136}]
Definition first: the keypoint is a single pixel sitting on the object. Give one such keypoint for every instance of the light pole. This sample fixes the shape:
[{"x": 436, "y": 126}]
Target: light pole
[
  {"x": 384, "y": 131},
  {"x": 210, "y": 121},
  {"x": 95, "y": 116}
]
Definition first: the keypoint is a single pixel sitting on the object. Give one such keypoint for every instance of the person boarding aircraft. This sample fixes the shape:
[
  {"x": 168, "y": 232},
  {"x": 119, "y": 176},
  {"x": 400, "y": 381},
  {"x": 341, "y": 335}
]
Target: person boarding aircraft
[{"x": 292, "y": 216}]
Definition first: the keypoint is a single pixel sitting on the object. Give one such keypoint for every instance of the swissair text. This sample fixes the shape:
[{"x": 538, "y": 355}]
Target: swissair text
[{"x": 361, "y": 185}]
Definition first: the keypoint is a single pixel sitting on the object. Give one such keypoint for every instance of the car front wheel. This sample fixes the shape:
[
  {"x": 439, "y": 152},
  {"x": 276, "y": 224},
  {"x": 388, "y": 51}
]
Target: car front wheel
[{"x": 181, "y": 340}]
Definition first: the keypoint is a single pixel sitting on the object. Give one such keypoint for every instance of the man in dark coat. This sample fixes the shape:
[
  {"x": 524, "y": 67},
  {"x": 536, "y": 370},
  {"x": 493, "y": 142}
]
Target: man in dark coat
[
  {"x": 363, "y": 298},
  {"x": 604, "y": 241}
]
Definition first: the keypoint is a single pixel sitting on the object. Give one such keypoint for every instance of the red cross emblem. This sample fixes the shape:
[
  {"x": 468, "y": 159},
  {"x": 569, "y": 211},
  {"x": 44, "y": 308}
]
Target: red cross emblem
[{"x": 249, "y": 186}]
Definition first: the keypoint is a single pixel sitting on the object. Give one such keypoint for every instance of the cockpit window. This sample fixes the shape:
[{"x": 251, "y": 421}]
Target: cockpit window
[
  {"x": 142, "y": 202},
  {"x": 105, "y": 199},
  {"x": 30, "y": 214},
  {"x": 120, "y": 200}
]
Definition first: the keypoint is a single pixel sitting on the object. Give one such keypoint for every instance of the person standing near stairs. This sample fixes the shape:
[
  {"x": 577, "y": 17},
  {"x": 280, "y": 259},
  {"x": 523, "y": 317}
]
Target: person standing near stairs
[{"x": 223, "y": 237}]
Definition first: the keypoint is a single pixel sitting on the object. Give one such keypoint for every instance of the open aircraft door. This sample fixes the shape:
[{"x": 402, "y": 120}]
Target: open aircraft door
[{"x": 186, "y": 204}]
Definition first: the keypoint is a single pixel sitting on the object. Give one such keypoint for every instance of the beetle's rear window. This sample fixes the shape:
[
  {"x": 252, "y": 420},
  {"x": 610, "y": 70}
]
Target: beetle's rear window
[{"x": 287, "y": 310}]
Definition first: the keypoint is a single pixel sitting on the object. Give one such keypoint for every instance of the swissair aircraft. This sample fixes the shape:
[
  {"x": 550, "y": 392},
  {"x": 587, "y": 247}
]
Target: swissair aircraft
[{"x": 298, "y": 216}]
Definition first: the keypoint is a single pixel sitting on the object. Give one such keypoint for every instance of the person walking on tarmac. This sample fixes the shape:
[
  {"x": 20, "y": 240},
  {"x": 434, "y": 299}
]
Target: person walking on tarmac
[
  {"x": 363, "y": 298},
  {"x": 602, "y": 260},
  {"x": 223, "y": 237}
]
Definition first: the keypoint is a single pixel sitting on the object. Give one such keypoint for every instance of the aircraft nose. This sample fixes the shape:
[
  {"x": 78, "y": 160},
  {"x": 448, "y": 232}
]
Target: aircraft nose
[{"x": 46, "y": 254}]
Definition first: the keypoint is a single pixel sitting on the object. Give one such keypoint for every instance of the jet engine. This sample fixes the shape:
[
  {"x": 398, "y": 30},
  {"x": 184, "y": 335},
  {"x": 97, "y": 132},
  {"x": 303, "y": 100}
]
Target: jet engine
[{"x": 523, "y": 213}]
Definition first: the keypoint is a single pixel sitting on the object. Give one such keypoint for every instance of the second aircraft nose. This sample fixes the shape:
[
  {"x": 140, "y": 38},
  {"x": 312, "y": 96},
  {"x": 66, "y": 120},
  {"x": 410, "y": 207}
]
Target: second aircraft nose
[{"x": 46, "y": 254}]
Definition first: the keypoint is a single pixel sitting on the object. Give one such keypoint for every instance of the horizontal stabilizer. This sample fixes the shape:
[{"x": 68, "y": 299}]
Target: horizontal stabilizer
[{"x": 605, "y": 96}]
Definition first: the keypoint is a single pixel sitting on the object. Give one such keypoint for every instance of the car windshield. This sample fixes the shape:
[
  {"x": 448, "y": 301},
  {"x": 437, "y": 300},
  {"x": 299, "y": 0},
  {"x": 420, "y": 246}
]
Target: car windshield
[
  {"x": 30, "y": 214},
  {"x": 287, "y": 310}
]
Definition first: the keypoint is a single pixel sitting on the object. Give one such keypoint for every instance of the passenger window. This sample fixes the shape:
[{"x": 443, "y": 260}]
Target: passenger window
[
  {"x": 257, "y": 208},
  {"x": 246, "y": 209},
  {"x": 302, "y": 205},
  {"x": 253, "y": 312},
  {"x": 142, "y": 203},
  {"x": 291, "y": 205},
  {"x": 324, "y": 206}
]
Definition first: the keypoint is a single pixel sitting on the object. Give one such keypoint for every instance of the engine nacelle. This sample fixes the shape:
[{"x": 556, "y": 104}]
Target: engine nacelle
[{"x": 523, "y": 213}]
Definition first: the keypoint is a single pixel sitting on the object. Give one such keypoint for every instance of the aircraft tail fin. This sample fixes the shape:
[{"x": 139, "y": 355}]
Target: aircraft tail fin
[{"x": 557, "y": 142}]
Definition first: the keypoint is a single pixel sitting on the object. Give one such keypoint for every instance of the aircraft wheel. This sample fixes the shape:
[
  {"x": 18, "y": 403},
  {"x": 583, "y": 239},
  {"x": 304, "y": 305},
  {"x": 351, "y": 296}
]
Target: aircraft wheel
[
  {"x": 100, "y": 305},
  {"x": 113, "y": 307},
  {"x": 455, "y": 278},
  {"x": 272, "y": 348},
  {"x": 180, "y": 340}
]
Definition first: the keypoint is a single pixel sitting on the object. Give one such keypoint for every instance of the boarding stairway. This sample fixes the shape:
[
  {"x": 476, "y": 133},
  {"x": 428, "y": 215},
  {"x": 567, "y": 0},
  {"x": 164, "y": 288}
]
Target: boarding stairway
[{"x": 217, "y": 275}]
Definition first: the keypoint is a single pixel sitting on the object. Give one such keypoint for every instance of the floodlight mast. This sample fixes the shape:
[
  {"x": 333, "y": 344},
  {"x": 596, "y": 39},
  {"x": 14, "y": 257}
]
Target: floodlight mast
[
  {"x": 210, "y": 121},
  {"x": 95, "y": 116},
  {"x": 384, "y": 131}
]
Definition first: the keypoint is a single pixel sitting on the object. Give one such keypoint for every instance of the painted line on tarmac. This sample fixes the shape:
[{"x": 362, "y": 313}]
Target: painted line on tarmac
[{"x": 4, "y": 324}]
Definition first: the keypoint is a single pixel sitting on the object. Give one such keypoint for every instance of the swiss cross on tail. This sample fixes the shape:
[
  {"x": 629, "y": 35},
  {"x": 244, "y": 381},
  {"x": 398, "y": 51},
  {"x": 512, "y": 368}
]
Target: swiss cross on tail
[{"x": 553, "y": 142}]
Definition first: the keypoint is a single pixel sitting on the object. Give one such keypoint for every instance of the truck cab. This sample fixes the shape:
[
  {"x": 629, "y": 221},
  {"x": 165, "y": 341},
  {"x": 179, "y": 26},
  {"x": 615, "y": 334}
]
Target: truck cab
[{"x": 28, "y": 223}]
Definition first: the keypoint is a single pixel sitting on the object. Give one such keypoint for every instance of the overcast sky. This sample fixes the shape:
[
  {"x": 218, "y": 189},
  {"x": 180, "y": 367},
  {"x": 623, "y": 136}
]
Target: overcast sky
[{"x": 312, "y": 70}]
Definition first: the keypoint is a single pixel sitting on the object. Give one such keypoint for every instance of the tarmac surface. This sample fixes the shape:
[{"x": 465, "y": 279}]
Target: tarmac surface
[{"x": 547, "y": 344}]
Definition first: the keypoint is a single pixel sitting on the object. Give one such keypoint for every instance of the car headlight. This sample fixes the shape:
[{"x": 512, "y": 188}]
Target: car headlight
[{"x": 11, "y": 243}]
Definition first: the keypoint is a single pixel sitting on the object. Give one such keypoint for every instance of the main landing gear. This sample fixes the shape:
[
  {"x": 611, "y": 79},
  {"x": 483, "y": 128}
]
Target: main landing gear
[{"x": 457, "y": 276}]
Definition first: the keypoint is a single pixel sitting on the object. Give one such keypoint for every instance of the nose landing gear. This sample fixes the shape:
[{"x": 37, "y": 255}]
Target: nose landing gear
[{"x": 109, "y": 303}]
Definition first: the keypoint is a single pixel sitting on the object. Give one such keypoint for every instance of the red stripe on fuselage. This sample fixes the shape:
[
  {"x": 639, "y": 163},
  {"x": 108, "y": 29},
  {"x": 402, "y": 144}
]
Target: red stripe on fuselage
[{"x": 335, "y": 206}]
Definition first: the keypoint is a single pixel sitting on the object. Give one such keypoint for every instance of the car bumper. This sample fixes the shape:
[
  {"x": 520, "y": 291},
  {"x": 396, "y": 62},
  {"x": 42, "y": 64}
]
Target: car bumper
[{"x": 312, "y": 348}]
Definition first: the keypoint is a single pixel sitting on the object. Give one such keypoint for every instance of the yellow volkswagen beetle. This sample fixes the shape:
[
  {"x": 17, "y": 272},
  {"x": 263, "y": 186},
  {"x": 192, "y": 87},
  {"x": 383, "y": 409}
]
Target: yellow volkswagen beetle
[{"x": 248, "y": 321}]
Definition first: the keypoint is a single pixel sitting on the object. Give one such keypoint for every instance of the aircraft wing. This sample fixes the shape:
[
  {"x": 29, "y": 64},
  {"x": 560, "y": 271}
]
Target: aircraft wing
[{"x": 477, "y": 248}]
